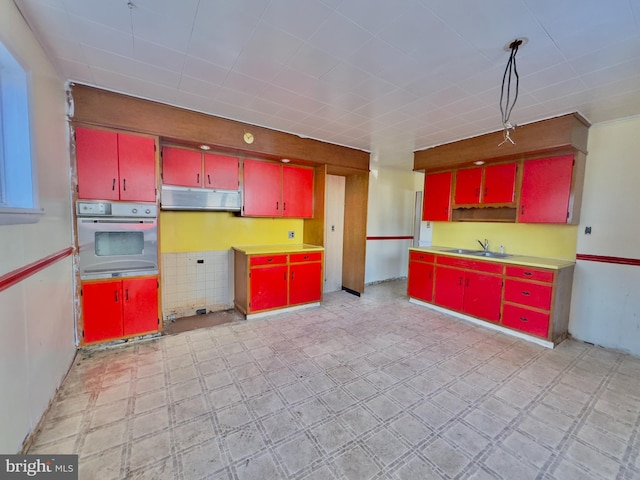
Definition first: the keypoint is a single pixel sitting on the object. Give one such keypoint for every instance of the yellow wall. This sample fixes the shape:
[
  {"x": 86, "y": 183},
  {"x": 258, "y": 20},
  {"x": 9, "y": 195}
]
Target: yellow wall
[
  {"x": 203, "y": 231},
  {"x": 552, "y": 241}
]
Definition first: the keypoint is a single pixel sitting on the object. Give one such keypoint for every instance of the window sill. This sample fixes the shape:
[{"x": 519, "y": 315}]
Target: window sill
[{"x": 17, "y": 216}]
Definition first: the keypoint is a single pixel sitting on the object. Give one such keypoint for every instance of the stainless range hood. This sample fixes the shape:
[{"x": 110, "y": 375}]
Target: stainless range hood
[{"x": 185, "y": 198}]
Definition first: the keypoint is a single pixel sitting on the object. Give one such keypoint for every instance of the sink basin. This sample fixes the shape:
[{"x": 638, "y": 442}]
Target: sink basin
[
  {"x": 481, "y": 253},
  {"x": 464, "y": 251}
]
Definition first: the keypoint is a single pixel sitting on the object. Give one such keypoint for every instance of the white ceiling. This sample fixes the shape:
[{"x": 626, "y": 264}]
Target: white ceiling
[{"x": 385, "y": 76}]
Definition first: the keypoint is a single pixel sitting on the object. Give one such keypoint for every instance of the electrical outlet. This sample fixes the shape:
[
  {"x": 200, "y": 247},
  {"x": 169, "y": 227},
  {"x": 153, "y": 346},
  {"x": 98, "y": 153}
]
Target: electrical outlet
[{"x": 292, "y": 234}]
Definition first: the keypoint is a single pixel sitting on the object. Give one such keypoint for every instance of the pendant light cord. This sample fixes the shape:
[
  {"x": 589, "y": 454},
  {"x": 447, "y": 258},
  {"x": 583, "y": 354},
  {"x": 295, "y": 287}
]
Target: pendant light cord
[{"x": 506, "y": 103}]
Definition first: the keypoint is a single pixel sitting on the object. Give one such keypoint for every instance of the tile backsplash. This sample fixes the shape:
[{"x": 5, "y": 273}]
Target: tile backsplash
[{"x": 195, "y": 280}]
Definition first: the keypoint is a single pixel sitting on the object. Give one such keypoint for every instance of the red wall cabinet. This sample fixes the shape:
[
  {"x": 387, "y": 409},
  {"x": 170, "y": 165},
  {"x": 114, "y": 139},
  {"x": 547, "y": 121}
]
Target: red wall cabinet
[
  {"x": 486, "y": 185},
  {"x": 181, "y": 167},
  {"x": 297, "y": 192},
  {"x": 119, "y": 308},
  {"x": 220, "y": 172},
  {"x": 115, "y": 166},
  {"x": 274, "y": 190},
  {"x": 468, "y": 186},
  {"x": 189, "y": 168},
  {"x": 420, "y": 282},
  {"x": 437, "y": 197},
  {"x": 546, "y": 189}
]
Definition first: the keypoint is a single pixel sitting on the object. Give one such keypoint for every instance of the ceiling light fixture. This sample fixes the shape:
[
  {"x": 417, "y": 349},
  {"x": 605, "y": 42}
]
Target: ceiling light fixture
[
  {"x": 285, "y": 160},
  {"x": 478, "y": 162},
  {"x": 205, "y": 147},
  {"x": 506, "y": 102}
]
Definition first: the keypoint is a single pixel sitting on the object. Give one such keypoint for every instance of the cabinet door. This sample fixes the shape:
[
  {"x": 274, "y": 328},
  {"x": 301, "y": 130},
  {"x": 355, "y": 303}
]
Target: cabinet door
[
  {"x": 102, "y": 310},
  {"x": 137, "y": 168},
  {"x": 482, "y": 295},
  {"x": 499, "y": 183},
  {"x": 449, "y": 288},
  {"x": 305, "y": 282},
  {"x": 97, "y": 164},
  {"x": 437, "y": 197},
  {"x": 297, "y": 192},
  {"x": 468, "y": 186},
  {"x": 262, "y": 185},
  {"x": 546, "y": 187},
  {"x": 268, "y": 287},
  {"x": 181, "y": 167},
  {"x": 420, "y": 283},
  {"x": 140, "y": 305},
  {"x": 220, "y": 172}
]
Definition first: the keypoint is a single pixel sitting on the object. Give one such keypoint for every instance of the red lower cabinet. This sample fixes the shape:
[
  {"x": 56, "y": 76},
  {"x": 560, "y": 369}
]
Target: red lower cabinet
[
  {"x": 449, "y": 289},
  {"x": 526, "y": 320},
  {"x": 420, "y": 282},
  {"x": 482, "y": 295},
  {"x": 114, "y": 309},
  {"x": 267, "y": 282},
  {"x": 268, "y": 287}
]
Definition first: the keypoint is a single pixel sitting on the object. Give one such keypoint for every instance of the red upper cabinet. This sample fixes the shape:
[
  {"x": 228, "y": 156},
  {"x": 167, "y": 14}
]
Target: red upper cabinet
[
  {"x": 262, "y": 183},
  {"x": 220, "y": 172},
  {"x": 181, "y": 167},
  {"x": 137, "y": 168},
  {"x": 297, "y": 192},
  {"x": 546, "y": 189},
  {"x": 274, "y": 190},
  {"x": 115, "y": 166},
  {"x": 468, "y": 184},
  {"x": 499, "y": 183},
  {"x": 437, "y": 197}
]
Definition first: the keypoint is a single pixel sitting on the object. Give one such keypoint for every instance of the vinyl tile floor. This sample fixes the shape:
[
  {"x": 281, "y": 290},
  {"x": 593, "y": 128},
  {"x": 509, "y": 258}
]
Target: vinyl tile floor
[{"x": 369, "y": 387}]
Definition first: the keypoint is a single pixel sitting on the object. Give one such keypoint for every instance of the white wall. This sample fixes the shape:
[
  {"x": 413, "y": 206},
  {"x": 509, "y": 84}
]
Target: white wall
[
  {"x": 605, "y": 307},
  {"x": 390, "y": 214},
  {"x": 37, "y": 343}
]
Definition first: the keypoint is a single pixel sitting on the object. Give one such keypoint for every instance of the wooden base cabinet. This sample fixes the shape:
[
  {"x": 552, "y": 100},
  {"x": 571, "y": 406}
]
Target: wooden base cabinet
[
  {"x": 114, "y": 309},
  {"x": 534, "y": 301},
  {"x": 266, "y": 282}
]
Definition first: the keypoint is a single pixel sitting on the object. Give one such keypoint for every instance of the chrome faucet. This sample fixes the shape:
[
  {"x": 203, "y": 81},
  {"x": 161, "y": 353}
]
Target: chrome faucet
[{"x": 485, "y": 245}]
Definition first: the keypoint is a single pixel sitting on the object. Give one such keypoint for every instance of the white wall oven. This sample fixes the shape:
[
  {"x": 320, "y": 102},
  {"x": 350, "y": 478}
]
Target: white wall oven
[{"x": 117, "y": 239}]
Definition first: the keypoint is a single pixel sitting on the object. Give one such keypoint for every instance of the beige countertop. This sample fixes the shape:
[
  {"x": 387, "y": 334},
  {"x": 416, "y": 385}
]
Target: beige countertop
[
  {"x": 541, "y": 262},
  {"x": 273, "y": 249}
]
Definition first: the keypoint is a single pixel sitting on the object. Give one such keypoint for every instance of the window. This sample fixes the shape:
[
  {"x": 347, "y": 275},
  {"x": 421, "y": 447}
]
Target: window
[{"x": 18, "y": 192}]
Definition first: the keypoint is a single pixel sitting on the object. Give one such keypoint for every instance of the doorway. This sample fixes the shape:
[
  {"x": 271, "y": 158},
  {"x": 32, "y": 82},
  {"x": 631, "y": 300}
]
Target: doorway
[{"x": 334, "y": 232}]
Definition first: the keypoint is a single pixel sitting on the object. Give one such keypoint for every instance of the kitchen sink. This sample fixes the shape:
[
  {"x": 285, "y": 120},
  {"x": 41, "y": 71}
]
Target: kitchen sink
[
  {"x": 482, "y": 253},
  {"x": 464, "y": 251}
]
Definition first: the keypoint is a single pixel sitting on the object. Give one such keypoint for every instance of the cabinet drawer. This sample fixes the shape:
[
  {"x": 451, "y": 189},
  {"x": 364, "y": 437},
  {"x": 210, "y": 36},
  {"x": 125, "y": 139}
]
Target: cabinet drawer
[
  {"x": 421, "y": 257},
  {"x": 528, "y": 293},
  {"x": 267, "y": 260},
  {"x": 305, "y": 257},
  {"x": 530, "y": 273},
  {"x": 468, "y": 264},
  {"x": 525, "y": 320}
]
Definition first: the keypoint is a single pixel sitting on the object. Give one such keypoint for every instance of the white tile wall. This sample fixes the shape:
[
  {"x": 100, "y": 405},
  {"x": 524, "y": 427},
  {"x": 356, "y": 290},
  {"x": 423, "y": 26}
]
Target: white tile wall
[{"x": 188, "y": 286}]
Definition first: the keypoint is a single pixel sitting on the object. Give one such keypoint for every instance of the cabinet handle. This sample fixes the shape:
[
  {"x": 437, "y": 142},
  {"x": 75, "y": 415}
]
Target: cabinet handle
[
  {"x": 284, "y": 206},
  {"x": 293, "y": 275},
  {"x": 115, "y": 294},
  {"x": 525, "y": 293},
  {"x": 270, "y": 259},
  {"x": 306, "y": 257},
  {"x": 198, "y": 178},
  {"x": 277, "y": 206},
  {"x": 466, "y": 283},
  {"x": 126, "y": 294},
  {"x": 124, "y": 184},
  {"x": 209, "y": 178},
  {"x": 486, "y": 190},
  {"x": 460, "y": 281},
  {"x": 521, "y": 209},
  {"x": 528, "y": 274},
  {"x": 524, "y": 319},
  {"x": 113, "y": 184}
]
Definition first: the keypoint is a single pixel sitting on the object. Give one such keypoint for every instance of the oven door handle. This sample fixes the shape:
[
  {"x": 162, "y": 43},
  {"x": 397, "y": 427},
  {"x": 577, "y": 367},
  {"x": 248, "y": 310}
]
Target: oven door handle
[{"x": 118, "y": 221}]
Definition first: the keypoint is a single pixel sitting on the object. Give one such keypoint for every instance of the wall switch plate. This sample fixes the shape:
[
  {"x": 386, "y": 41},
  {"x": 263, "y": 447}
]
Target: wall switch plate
[{"x": 292, "y": 234}]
